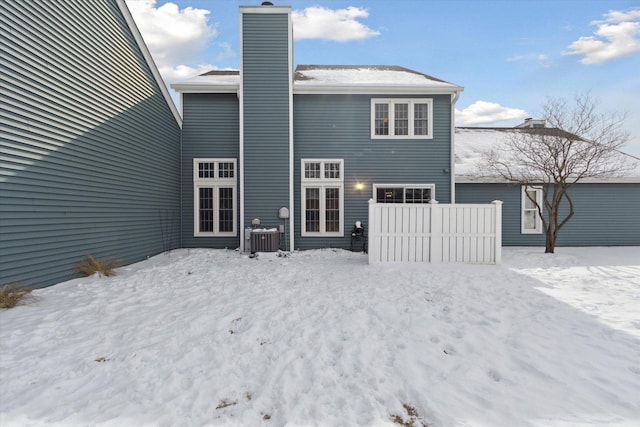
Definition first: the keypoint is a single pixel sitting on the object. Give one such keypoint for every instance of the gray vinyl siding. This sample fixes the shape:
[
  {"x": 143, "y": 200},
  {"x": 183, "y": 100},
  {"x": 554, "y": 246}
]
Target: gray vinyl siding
[
  {"x": 210, "y": 130},
  {"x": 89, "y": 147},
  {"x": 605, "y": 214},
  {"x": 266, "y": 77},
  {"x": 339, "y": 127}
]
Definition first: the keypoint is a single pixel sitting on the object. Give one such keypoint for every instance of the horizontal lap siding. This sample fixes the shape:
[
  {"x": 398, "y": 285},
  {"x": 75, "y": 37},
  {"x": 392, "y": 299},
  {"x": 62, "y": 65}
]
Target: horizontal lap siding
[
  {"x": 90, "y": 149},
  {"x": 266, "y": 76},
  {"x": 210, "y": 130},
  {"x": 339, "y": 127},
  {"x": 605, "y": 214}
]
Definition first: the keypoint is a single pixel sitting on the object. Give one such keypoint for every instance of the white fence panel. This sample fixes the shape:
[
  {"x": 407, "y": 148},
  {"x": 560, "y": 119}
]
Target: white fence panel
[{"x": 467, "y": 233}]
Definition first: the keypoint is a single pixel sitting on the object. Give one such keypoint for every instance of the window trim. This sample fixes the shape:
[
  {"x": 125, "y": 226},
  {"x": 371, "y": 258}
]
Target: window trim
[
  {"x": 411, "y": 116},
  {"x": 523, "y": 199},
  {"x": 322, "y": 183},
  {"x": 216, "y": 184},
  {"x": 404, "y": 187}
]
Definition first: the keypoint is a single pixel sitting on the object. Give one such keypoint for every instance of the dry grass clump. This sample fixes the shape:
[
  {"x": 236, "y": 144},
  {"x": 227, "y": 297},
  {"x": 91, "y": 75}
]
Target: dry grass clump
[
  {"x": 90, "y": 266},
  {"x": 12, "y": 295},
  {"x": 412, "y": 419}
]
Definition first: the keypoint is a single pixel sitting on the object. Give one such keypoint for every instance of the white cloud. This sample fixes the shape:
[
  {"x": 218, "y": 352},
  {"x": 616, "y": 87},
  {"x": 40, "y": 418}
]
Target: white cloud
[
  {"x": 183, "y": 72},
  {"x": 484, "y": 113},
  {"x": 339, "y": 25},
  {"x": 174, "y": 36},
  {"x": 540, "y": 58},
  {"x": 616, "y": 36}
]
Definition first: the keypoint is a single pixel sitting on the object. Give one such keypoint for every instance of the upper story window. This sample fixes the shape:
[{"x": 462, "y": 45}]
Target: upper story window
[
  {"x": 322, "y": 197},
  {"x": 214, "y": 201},
  {"x": 403, "y": 193},
  {"x": 402, "y": 118},
  {"x": 531, "y": 221}
]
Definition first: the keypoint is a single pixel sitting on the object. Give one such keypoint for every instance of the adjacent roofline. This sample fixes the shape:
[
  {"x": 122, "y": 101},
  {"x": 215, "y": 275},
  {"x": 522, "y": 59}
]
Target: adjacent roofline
[
  {"x": 149, "y": 59},
  {"x": 465, "y": 179}
]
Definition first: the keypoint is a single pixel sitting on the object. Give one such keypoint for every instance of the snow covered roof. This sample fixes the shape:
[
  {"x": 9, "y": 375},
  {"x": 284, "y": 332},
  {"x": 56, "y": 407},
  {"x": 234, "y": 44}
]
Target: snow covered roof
[
  {"x": 331, "y": 79},
  {"x": 215, "y": 81},
  {"x": 471, "y": 143},
  {"x": 367, "y": 78}
]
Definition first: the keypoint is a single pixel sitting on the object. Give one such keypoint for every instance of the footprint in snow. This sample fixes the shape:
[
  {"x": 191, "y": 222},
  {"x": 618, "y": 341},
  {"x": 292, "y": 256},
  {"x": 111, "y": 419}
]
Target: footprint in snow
[
  {"x": 448, "y": 349},
  {"x": 494, "y": 375}
]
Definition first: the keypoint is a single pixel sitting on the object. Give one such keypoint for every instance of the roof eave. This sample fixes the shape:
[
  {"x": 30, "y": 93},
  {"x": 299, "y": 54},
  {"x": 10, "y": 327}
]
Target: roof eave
[
  {"x": 204, "y": 88},
  {"x": 374, "y": 89},
  {"x": 149, "y": 59}
]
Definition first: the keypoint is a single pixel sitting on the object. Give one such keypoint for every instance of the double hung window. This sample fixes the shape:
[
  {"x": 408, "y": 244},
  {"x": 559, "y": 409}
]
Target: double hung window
[
  {"x": 214, "y": 191},
  {"x": 322, "y": 197},
  {"x": 402, "y": 118},
  {"x": 531, "y": 222}
]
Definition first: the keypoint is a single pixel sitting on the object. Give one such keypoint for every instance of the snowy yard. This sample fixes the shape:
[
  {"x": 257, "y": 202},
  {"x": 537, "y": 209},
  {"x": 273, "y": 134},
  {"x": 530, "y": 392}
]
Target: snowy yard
[{"x": 320, "y": 338}]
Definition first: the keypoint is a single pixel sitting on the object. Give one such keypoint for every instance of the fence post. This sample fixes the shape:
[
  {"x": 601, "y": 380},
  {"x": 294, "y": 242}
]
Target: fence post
[
  {"x": 435, "y": 232},
  {"x": 371, "y": 245},
  {"x": 498, "y": 230}
]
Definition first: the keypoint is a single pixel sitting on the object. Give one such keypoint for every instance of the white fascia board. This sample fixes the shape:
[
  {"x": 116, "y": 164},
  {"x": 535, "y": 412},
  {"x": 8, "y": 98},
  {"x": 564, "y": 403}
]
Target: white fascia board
[
  {"x": 241, "y": 133},
  {"x": 292, "y": 208},
  {"x": 377, "y": 90},
  {"x": 204, "y": 88},
  {"x": 149, "y": 59}
]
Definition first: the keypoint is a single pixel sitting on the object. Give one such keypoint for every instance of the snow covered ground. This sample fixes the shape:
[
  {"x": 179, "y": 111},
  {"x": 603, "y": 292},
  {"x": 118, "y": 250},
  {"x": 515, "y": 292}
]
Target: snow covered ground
[{"x": 320, "y": 338}]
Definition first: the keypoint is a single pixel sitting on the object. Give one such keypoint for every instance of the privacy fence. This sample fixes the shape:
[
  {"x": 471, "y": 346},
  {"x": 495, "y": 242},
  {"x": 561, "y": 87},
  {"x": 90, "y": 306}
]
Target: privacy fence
[{"x": 436, "y": 233}]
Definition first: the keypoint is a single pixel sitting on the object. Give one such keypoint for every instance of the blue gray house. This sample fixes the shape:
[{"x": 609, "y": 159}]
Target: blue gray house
[
  {"x": 319, "y": 142},
  {"x": 605, "y": 208},
  {"x": 95, "y": 158},
  {"x": 89, "y": 141}
]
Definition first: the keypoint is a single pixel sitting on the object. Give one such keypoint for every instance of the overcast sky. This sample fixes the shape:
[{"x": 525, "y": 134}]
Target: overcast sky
[{"x": 510, "y": 55}]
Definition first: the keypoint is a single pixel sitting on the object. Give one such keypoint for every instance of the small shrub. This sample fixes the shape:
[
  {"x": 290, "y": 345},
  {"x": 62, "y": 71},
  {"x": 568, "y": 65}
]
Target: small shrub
[
  {"x": 90, "y": 266},
  {"x": 12, "y": 295}
]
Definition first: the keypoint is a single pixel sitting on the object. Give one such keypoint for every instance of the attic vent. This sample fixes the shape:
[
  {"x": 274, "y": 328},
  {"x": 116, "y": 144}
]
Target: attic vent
[{"x": 267, "y": 3}]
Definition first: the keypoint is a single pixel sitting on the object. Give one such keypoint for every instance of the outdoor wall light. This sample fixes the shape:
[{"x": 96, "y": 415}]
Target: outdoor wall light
[{"x": 359, "y": 186}]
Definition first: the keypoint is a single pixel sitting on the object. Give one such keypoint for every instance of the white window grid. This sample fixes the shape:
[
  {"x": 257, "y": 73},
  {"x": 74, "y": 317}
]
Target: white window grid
[
  {"x": 218, "y": 174},
  {"x": 525, "y": 210},
  {"x": 404, "y": 115},
  {"x": 325, "y": 174}
]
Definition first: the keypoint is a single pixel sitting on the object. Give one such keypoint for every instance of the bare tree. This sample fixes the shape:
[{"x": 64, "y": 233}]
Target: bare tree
[{"x": 579, "y": 143}]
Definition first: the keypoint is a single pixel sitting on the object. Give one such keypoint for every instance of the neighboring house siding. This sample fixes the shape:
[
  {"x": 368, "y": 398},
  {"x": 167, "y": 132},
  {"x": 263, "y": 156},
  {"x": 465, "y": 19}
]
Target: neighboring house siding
[
  {"x": 89, "y": 149},
  {"x": 338, "y": 127},
  {"x": 210, "y": 130},
  {"x": 605, "y": 214},
  {"x": 266, "y": 79}
]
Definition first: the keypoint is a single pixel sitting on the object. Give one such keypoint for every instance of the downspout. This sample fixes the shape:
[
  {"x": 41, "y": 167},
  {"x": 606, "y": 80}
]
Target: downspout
[
  {"x": 241, "y": 135},
  {"x": 452, "y": 167},
  {"x": 181, "y": 213}
]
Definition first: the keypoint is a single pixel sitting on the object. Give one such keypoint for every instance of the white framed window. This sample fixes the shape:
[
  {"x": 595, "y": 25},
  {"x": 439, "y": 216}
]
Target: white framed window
[
  {"x": 403, "y": 193},
  {"x": 402, "y": 118},
  {"x": 322, "y": 197},
  {"x": 214, "y": 197},
  {"x": 531, "y": 221}
]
